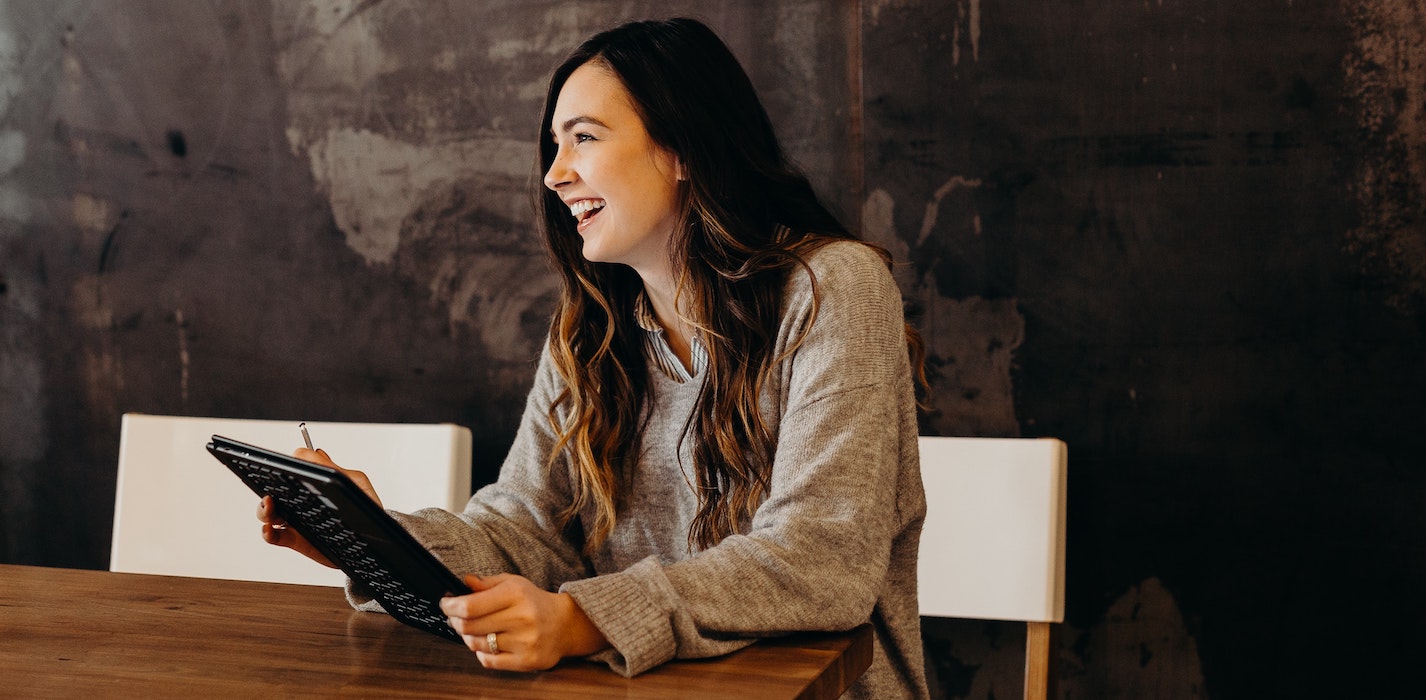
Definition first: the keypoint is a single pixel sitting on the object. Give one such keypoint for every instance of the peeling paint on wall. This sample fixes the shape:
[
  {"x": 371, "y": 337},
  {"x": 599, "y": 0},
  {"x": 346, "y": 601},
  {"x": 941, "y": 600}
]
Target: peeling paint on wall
[
  {"x": 1141, "y": 649},
  {"x": 970, "y": 342},
  {"x": 471, "y": 243},
  {"x": 326, "y": 43},
  {"x": 404, "y": 120},
  {"x": 374, "y": 182},
  {"x": 933, "y": 207},
  {"x": 373, "y": 172},
  {"x": 1386, "y": 77},
  {"x": 1133, "y": 225},
  {"x": 971, "y": 345}
]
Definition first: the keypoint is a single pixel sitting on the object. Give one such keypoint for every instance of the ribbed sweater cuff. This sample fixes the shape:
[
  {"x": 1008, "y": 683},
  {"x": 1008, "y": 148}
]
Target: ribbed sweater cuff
[
  {"x": 628, "y": 617},
  {"x": 361, "y": 599}
]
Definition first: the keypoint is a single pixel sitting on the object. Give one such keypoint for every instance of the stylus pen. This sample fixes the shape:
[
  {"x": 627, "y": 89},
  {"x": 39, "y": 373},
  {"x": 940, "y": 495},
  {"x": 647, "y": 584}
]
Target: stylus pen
[{"x": 305, "y": 437}]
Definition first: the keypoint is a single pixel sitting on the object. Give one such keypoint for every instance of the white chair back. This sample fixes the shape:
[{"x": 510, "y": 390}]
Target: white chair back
[
  {"x": 178, "y": 511},
  {"x": 993, "y": 546}
]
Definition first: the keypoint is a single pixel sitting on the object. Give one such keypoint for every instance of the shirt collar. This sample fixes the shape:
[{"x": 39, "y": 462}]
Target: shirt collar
[
  {"x": 656, "y": 344},
  {"x": 644, "y": 314}
]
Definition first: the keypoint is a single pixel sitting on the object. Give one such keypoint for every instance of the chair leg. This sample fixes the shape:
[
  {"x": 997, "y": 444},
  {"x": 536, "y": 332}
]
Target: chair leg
[{"x": 1039, "y": 660}]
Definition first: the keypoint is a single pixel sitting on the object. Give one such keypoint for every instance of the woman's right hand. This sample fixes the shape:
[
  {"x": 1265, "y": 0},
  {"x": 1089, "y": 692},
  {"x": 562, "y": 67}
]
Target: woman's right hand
[{"x": 274, "y": 528}]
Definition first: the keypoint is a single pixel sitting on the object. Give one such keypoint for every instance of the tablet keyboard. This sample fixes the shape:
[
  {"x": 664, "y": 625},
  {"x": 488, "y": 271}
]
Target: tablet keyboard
[{"x": 316, "y": 517}]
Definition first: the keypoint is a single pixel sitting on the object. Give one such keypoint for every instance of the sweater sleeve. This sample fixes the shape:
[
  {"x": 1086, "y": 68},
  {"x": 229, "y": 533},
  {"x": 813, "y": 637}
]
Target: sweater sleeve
[
  {"x": 817, "y": 553},
  {"x": 510, "y": 525}
]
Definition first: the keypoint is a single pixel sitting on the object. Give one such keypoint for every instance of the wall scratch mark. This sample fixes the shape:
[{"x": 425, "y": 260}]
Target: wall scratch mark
[
  {"x": 183, "y": 360},
  {"x": 969, "y": 15},
  {"x": 975, "y": 30}
]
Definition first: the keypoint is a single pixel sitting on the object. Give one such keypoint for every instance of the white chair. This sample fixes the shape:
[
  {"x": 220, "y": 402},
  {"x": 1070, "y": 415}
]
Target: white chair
[
  {"x": 993, "y": 546},
  {"x": 178, "y": 511}
]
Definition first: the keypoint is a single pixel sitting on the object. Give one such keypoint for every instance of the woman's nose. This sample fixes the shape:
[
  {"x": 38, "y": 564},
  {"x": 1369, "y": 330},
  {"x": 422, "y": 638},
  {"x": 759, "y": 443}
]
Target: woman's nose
[{"x": 559, "y": 173}]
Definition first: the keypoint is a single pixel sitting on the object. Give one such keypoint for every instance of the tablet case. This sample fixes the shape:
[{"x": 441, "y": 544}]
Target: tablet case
[{"x": 352, "y": 531}]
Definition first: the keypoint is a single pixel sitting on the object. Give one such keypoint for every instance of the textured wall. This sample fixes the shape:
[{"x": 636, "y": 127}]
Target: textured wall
[
  {"x": 1187, "y": 238},
  {"x": 299, "y": 210},
  {"x": 1184, "y": 236}
]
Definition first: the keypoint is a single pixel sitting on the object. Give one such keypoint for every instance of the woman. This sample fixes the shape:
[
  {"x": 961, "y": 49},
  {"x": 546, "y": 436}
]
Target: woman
[{"x": 720, "y": 443}]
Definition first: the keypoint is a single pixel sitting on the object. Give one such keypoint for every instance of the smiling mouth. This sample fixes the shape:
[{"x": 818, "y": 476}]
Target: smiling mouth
[{"x": 585, "y": 210}]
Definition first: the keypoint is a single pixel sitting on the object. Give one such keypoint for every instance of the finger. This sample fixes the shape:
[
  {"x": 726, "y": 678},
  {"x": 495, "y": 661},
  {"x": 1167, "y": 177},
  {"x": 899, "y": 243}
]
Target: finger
[
  {"x": 494, "y": 662},
  {"x": 479, "y": 644},
  {"x": 507, "y": 621},
  {"x": 357, "y": 477},
  {"x": 267, "y": 513},
  {"x": 479, "y": 583},
  {"x": 476, "y": 614},
  {"x": 473, "y": 582},
  {"x": 480, "y": 604},
  {"x": 317, "y": 456},
  {"x": 476, "y": 643},
  {"x": 293, "y": 540},
  {"x": 505, "y": 661}
]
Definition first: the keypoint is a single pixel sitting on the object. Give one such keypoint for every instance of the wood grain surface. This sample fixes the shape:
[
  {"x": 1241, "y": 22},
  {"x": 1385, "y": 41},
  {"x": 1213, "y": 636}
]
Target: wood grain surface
[{"x": 67, "y": 632}]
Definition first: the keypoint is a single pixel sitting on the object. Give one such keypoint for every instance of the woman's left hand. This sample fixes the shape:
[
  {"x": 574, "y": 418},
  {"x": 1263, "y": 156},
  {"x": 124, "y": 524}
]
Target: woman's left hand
[{"x": 533, "y": 628}]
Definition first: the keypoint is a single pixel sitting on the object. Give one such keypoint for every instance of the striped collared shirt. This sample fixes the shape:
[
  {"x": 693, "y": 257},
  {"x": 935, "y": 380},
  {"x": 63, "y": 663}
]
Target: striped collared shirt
[{"x": 656, "y": 345}]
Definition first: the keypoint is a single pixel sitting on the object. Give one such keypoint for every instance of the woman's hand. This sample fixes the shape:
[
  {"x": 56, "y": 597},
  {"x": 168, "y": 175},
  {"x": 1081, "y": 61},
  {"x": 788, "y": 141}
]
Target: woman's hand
[
  {"x": 533, "y": 628},
  {"x": 274, "y": 528}
]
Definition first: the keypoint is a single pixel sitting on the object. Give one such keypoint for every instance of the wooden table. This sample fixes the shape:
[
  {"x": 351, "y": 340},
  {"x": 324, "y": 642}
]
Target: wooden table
[{"x": 66, "y": 632}]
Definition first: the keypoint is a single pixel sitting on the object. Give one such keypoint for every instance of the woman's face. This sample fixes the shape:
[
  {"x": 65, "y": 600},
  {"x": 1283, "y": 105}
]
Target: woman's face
[{"x": 620, "y": 186}]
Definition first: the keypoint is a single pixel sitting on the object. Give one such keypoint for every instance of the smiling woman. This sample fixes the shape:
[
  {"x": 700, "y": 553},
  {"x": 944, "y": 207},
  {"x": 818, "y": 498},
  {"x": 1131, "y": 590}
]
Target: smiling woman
[
  {"x": 619, "y": 184},
  {"x": 721, "y": 441}
]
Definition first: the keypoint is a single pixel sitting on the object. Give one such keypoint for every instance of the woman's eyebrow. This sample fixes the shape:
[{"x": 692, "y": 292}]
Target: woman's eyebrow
[{"x": 581, "y": 119}]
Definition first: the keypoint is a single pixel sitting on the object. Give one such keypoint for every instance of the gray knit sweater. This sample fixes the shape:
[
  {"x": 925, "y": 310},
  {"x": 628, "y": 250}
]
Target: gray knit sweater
[{"x": 833, "y": 546}]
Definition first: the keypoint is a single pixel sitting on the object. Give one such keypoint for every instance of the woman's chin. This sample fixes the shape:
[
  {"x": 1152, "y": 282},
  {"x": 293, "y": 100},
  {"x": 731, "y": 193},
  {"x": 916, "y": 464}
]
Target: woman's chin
[{"x": 593, "y": 253}]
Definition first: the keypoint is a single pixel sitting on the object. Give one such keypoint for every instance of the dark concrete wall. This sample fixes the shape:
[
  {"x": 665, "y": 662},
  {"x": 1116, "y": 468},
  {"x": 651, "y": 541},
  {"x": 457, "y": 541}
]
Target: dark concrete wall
[{"x": 1184, "y": 236}]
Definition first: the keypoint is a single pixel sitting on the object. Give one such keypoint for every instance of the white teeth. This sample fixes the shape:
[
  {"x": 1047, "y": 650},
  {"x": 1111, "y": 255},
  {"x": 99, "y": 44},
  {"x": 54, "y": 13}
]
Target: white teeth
[{"x": 584, "y": 206}]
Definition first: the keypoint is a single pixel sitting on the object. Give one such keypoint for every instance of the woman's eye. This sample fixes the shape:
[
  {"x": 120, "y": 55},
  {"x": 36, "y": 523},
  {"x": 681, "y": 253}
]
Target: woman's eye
[{"x": 582, "y": 137}]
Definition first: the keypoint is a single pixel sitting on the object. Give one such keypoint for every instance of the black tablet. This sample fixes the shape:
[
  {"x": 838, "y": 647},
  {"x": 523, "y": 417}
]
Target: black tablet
[{"x": 341, "y": 521}]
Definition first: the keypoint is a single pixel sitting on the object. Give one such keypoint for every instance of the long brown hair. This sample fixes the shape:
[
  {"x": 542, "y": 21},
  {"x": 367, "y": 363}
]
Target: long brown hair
[{"x": 748, "y": 218}]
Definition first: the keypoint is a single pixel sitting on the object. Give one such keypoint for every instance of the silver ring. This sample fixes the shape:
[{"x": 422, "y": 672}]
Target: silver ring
[{"x": 490, "y": 643}]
